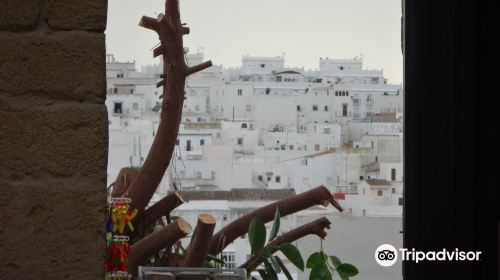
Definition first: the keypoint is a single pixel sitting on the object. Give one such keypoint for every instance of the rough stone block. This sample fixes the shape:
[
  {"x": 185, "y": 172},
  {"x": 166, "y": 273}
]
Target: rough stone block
[
  {"x": 59, "y": 65},
  {"x": 52, "y": 229},
  {"x": 76, "y": 14},
  {"x": 18, "y": 14},
  {"x": 55, "y": 140}
]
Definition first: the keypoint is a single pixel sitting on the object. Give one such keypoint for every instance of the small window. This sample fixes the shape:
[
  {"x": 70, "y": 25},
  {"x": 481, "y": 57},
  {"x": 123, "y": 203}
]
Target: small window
[
  {"x": 290, "y": 147},
  {"x": 118, "y": 108},
  {"x": 298, "y": 108},
  {"x": 336, "y": 93},
  {"x": 393, "y": 190},
  {"x": 115, "y": 90},
  {"x": 202, "y": 142},
  {"x": 244, "y": 125},
  {"x": 326, "y": 108},
  {"x": 315, "y": 107},
  {"x": 213, "y": 175},
  {"x": 268, "y": 90},
  {"x": 177, "y": 142},
  {"x": 262, "y": 66},
  {"x": 380, "y": 192},
  {"x": 361, "y": 178},
  {"x": 278, "y": 179},
  {"x": 303, "y": 162},
  {"x": 347, "y": 93},
  {"x": 240, "y": 92},
  {"x": 341, "y": 67},
  {"x": 260, "y": 178},
  {"x": 239, "y": 141},
  {"x": 131, "y": 90}
]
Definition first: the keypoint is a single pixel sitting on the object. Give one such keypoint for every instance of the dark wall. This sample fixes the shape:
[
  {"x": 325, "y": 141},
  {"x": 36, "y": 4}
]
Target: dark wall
[
  {"x": 53, "y": 138},
  {"x": 451, "y": 197}
]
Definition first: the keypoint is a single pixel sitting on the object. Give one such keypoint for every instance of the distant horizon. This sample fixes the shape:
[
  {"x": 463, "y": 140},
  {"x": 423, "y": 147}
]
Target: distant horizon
[{"x": 303, "y": 33}]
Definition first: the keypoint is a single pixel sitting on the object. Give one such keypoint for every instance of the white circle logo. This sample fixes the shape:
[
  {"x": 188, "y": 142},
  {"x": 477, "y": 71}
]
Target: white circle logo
[{"x": 386, "y": 255}]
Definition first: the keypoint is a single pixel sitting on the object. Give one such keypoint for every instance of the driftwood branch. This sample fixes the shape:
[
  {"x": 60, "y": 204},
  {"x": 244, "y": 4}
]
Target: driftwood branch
[
  {"x": 200, "y": 242},
  {"x": 156, "y": 241},
  {"x": 317, "y": 196},
  {"x": 160, "y": 209},
  {"x": 170, "y": 31},
  {"x": 198, "y": 68},
  {"x": 316, "y": 227},
  {"x": 125, "y": 176}
]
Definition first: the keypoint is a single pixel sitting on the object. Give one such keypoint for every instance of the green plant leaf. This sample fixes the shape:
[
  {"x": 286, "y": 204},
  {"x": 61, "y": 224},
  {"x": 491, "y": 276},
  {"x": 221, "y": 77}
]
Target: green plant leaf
[
  {"x": 275, "y": 264},
  {"x": 283, "y": 268},
  {"x": 256, "y": 235},
  {"x": 276, "y": 225},
  {"x": 271, "y": 273},
  {"x": 335, "y": 261},
  {"x": 292, "y": 254},
  {"x": 316, "y": 258},
  {"x": 347, "y": 270},
  {"x": 320, "y": 272},
  {"x": 215, "y": 259},
  {"x": 173, "y": 218}
]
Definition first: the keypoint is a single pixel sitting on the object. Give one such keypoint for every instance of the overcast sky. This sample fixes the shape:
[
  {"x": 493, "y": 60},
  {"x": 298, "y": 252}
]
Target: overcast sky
[{"x": 303, "y": 30}]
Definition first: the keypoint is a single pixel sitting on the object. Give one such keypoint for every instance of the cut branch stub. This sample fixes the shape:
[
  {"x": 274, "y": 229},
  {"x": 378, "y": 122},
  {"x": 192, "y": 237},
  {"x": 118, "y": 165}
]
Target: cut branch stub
[
  {"x": 316, "y": 227},
  {"x": 289, "y": 205},
  {"x": 156, "y": 241},
  {"x": 123, "y": 180},
  {"x": 160, "y": 209},
  {"x": 200, "y": 242}
]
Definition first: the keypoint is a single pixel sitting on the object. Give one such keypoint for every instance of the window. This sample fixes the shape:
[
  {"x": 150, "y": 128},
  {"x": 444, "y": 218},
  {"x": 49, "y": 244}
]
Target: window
[
  {"x": 229, "y": 261},
  {"x": 188, "y": 145},
  {"x": 202, "y": 142},
  {"x": 380, "y": 192},
  {"x": 347, "y": 93},
  {"x": 393, "y": 190},
  {"x": 131, "y": 90},
  {"x": 239, "y": 141},
  {"x": 341, "y": 67},
  {"x": 278, "y": 179},
  {"x": 290, "y": 147},
  {"x": 326, "y": 130},
  {"x": 303, "y": 162},
  {"x": 260, "y": 178},
  {"x": 326, "y": 108},
  {"x": 213, "y": 175},
  {"x": 240, "y": 92},
  {"x": 244, "y": 125},
  {"x": 315, "y": 107},
  {"x": 177, "y": 142},
  {"x": 262, "y": 65},
  {"x": 118, "y": 108},
  {"x": 336, "y": 93},
  {"x": 249, "y": 108},
  {"x": 298, "y": 108},
  {"x": 115, "y": 90},
  {"x": 361, "y": 178}
]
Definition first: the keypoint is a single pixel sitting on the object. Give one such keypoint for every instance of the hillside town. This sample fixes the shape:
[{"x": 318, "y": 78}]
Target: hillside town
[{"x": 257, "y": 133}]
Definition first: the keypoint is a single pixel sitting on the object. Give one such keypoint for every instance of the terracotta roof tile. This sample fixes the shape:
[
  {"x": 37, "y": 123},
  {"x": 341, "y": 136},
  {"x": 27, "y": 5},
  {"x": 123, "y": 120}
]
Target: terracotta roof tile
[{"x": 378, "y": 182}]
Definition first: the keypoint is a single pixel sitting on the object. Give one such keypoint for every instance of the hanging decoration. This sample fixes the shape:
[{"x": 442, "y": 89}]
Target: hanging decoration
[{"x": 117, "y": 246}]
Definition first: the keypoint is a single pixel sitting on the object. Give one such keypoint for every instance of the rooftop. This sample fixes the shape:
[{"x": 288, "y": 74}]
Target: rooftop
[{"x": 239, "y": 194}]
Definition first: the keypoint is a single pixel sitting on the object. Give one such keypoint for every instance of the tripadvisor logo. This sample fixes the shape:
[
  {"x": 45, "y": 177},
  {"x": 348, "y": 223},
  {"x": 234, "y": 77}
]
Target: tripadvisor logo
[{"x": 387, "y": 255}]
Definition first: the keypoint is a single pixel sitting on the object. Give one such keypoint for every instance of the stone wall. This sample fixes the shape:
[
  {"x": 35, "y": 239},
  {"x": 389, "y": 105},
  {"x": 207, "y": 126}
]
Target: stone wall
[{"x": 53, "y": 139}]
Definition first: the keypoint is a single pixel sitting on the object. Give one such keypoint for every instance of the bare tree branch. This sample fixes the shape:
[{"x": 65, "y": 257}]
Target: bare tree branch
[
  {"x": 317, "y": 196},
  {"x": 156, "y": 241}
]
